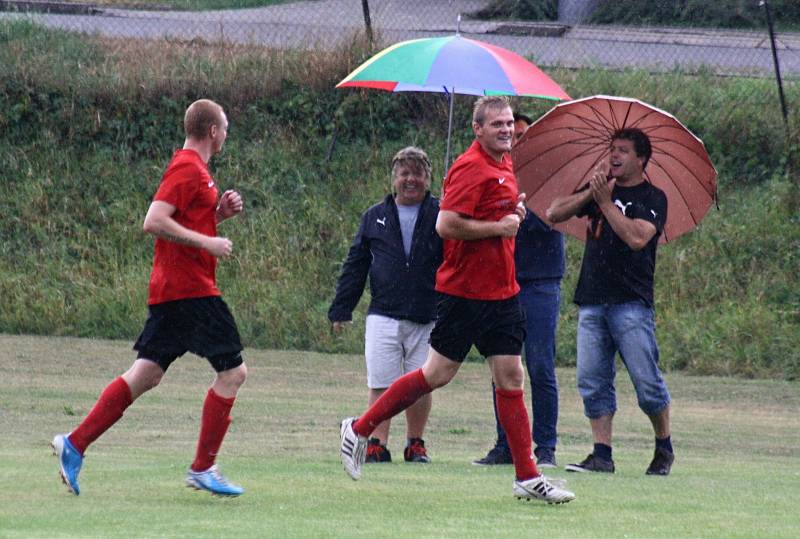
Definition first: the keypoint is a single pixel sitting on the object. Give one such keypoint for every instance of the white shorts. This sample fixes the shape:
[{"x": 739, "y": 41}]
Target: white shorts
[{"x": 393, "y": 348}]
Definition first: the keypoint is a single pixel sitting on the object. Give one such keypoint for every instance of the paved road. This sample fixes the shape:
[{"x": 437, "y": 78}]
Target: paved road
[{"x": 328, "y": 23}]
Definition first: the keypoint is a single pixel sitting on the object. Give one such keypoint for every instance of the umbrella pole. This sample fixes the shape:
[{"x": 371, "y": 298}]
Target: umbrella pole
[{"x": 451, "y": 96}]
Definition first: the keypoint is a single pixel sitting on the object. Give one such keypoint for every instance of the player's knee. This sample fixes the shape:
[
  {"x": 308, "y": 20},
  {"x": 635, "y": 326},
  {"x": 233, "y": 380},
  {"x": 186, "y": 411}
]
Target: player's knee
[
  {"x": 234, "y": 378},
  {"x": 439, "y": 379},
  {"x": 150, "y": 380},
  {"x": 510, "y": 382}
]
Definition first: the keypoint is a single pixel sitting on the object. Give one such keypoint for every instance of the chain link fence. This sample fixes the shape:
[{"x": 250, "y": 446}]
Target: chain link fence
[
  {"x": 570, "y": 41},
  {"x": 328, "y": 23}
]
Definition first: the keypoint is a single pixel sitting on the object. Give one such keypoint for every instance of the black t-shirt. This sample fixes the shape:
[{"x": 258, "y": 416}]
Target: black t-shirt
[{"x": 611, "y": 271}]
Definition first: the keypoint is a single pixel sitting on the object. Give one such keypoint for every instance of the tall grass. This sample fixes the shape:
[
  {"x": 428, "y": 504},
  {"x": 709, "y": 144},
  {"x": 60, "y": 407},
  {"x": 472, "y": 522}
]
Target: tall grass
[{"x": 88, "y": 124}]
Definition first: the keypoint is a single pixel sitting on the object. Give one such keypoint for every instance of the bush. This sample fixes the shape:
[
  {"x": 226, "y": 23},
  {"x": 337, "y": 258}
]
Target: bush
[
  {"x": 88, "y": 126},
  {"x": 721, "y": 14}
]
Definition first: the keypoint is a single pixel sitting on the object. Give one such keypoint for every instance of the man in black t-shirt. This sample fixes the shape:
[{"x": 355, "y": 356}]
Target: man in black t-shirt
[{"x": 625, "y": 217}]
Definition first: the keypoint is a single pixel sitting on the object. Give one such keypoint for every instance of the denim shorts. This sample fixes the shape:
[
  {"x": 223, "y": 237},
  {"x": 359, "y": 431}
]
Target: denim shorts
[{"x": 627, "y": 328}]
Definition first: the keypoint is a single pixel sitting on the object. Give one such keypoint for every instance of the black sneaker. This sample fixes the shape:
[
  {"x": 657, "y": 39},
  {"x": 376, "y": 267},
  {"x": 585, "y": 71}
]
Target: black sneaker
[
  {"x": 377, "y": 452},
  {"x": 661, "y": 463},
  {"x": 497, "y": 455},
  {"x": 545, "y": 457},
  {"x": 592, "y": 463},
  {"x": 415, "y": 451}
]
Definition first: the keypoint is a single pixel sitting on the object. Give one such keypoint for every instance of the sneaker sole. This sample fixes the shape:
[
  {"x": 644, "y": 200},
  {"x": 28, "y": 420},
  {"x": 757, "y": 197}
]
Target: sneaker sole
[
  {"x": 478, "y": 463},
  {"x": 194, "y": 486},
  {"x": 578, "y": 469},
  {"x": 61, "y": 469},
  {"x": 217, "y": 494},
  {"x": 354, "y": 475},
  {"x": 549, "y": 502}
]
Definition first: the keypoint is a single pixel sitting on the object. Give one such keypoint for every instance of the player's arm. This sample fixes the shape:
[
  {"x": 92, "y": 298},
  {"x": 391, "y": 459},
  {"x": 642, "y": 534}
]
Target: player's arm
[
  {"x": 159, "y": 223},
  {"x": 636, "y": 233},
  {"x": 230, "y": 204},
  {"x": 564, "y": 207},
  {"x": 451, "y": 225}
]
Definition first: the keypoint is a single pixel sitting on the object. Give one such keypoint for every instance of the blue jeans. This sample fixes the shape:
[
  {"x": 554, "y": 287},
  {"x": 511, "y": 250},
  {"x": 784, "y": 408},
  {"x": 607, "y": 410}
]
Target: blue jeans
[
  {"x": 540, "y": 301},
  {"x": 627, "y": 328}
]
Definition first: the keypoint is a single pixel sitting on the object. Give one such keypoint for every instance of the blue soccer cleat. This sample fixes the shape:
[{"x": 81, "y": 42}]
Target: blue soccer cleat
[
  {"x": 70, "y": 461},
  {"x": 213, "y": 481}
]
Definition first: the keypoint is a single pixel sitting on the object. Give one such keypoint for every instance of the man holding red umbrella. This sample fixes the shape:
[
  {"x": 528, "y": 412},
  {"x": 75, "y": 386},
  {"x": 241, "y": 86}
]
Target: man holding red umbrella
[{"x": 626, "y": 215}]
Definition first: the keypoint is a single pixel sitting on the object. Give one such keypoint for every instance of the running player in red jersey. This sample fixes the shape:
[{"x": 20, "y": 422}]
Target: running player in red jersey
[
  {"x": 186, "y": 310},
  {"x": 481, "y": 211}
]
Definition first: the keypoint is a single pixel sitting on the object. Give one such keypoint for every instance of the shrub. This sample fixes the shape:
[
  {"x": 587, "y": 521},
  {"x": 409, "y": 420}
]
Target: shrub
[{"x": 88, "y": 126}]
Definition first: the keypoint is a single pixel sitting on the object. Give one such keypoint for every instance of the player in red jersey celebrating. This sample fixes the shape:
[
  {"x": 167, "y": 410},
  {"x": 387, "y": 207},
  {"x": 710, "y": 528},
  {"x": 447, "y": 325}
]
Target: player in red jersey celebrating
[{"x": 481, "y": 211}]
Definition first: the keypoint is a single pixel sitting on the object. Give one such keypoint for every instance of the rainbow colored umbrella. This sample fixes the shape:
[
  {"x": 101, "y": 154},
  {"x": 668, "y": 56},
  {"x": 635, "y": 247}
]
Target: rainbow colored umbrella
[{"x": 453, "y": 65}]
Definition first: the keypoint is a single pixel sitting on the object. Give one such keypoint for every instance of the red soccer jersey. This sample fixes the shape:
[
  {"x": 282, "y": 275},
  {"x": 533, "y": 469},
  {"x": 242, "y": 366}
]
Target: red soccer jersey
[
  {"x": 480, "y": 188},
  {"x": 181, "y": 271}
]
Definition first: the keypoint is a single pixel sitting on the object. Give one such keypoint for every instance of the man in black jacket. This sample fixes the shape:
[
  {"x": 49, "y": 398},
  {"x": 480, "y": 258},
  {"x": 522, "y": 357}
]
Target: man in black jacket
[{"x": 398, "y": 247}]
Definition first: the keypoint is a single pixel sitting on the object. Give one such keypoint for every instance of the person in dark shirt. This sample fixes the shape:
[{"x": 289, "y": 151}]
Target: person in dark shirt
[
  {"x": 625, "y": 218},
  {"x": 398, "y": 247}
]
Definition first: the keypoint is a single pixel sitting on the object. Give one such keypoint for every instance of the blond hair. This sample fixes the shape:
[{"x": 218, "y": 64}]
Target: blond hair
[
  {"x": 200, "y": 116},
  {"x": 413, "y": 157},
  {"x": 488, "y": 102}
]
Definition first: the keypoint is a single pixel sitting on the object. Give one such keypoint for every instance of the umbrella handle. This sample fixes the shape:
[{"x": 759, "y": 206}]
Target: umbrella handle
[{"x": 451, "y": 96}]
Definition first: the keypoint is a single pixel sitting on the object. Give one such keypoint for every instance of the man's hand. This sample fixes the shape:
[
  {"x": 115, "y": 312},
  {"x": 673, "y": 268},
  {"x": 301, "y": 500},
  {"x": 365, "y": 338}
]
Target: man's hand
[
  {"x": 520, "y": 210},
  {"x": 340, "y": 325},
  {"x": 230, "y": 204},
  {"x": 509, "y": 224},
  {"x": 219, "y": 247},
  {"x": 601, "y": 187}
]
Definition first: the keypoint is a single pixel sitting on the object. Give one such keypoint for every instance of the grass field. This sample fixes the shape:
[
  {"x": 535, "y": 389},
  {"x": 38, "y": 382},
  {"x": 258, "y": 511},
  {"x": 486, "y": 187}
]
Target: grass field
[{"x": 736, "y": 441}]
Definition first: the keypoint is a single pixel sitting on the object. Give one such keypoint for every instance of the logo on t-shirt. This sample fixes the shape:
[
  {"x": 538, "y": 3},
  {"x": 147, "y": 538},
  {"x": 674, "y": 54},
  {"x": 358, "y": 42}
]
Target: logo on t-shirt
[
  {"x": 622, "y": 207},
  {"x": 381, "y": 222},
  {"x": 501, "y": 180},
  {"x": 210, "y": 184},
  {"x": 654, "y": 214}
]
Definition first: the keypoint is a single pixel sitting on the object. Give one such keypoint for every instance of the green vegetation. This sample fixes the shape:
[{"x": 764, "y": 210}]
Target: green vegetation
[
  {"x": 526, "y": 10},
  {"x": 735, "y": 475},
  {"x": 87, "y": 126},
  {"x": 719, "y": 14}
]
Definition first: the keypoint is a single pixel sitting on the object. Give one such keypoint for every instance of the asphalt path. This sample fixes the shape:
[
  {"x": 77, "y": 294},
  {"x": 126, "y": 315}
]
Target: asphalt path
[{"x": 327, "y": 24}]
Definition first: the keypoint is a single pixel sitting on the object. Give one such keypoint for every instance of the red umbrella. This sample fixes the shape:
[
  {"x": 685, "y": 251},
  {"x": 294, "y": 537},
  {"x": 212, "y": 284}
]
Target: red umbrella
[{"x": 559, "y": 151}]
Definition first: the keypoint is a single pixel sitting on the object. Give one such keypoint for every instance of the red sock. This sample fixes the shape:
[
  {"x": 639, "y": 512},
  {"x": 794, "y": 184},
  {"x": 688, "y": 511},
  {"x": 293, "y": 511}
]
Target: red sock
[
  {"x": 213, "y": 426},
  {"x": 404, "y": 392},
  {"x": 514, "y": 419},
  {"x": 110, "y": 405}
]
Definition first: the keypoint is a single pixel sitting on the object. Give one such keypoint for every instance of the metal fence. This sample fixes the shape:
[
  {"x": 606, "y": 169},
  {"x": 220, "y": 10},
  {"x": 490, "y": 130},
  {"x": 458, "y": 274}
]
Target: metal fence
[{"x": 330, "y": 23}]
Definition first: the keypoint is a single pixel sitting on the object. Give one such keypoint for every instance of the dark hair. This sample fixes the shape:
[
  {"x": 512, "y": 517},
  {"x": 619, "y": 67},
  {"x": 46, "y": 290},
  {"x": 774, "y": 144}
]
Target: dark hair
[
  {"x": 641, "y": 142},
  {"x": 524, "y": 117}
]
